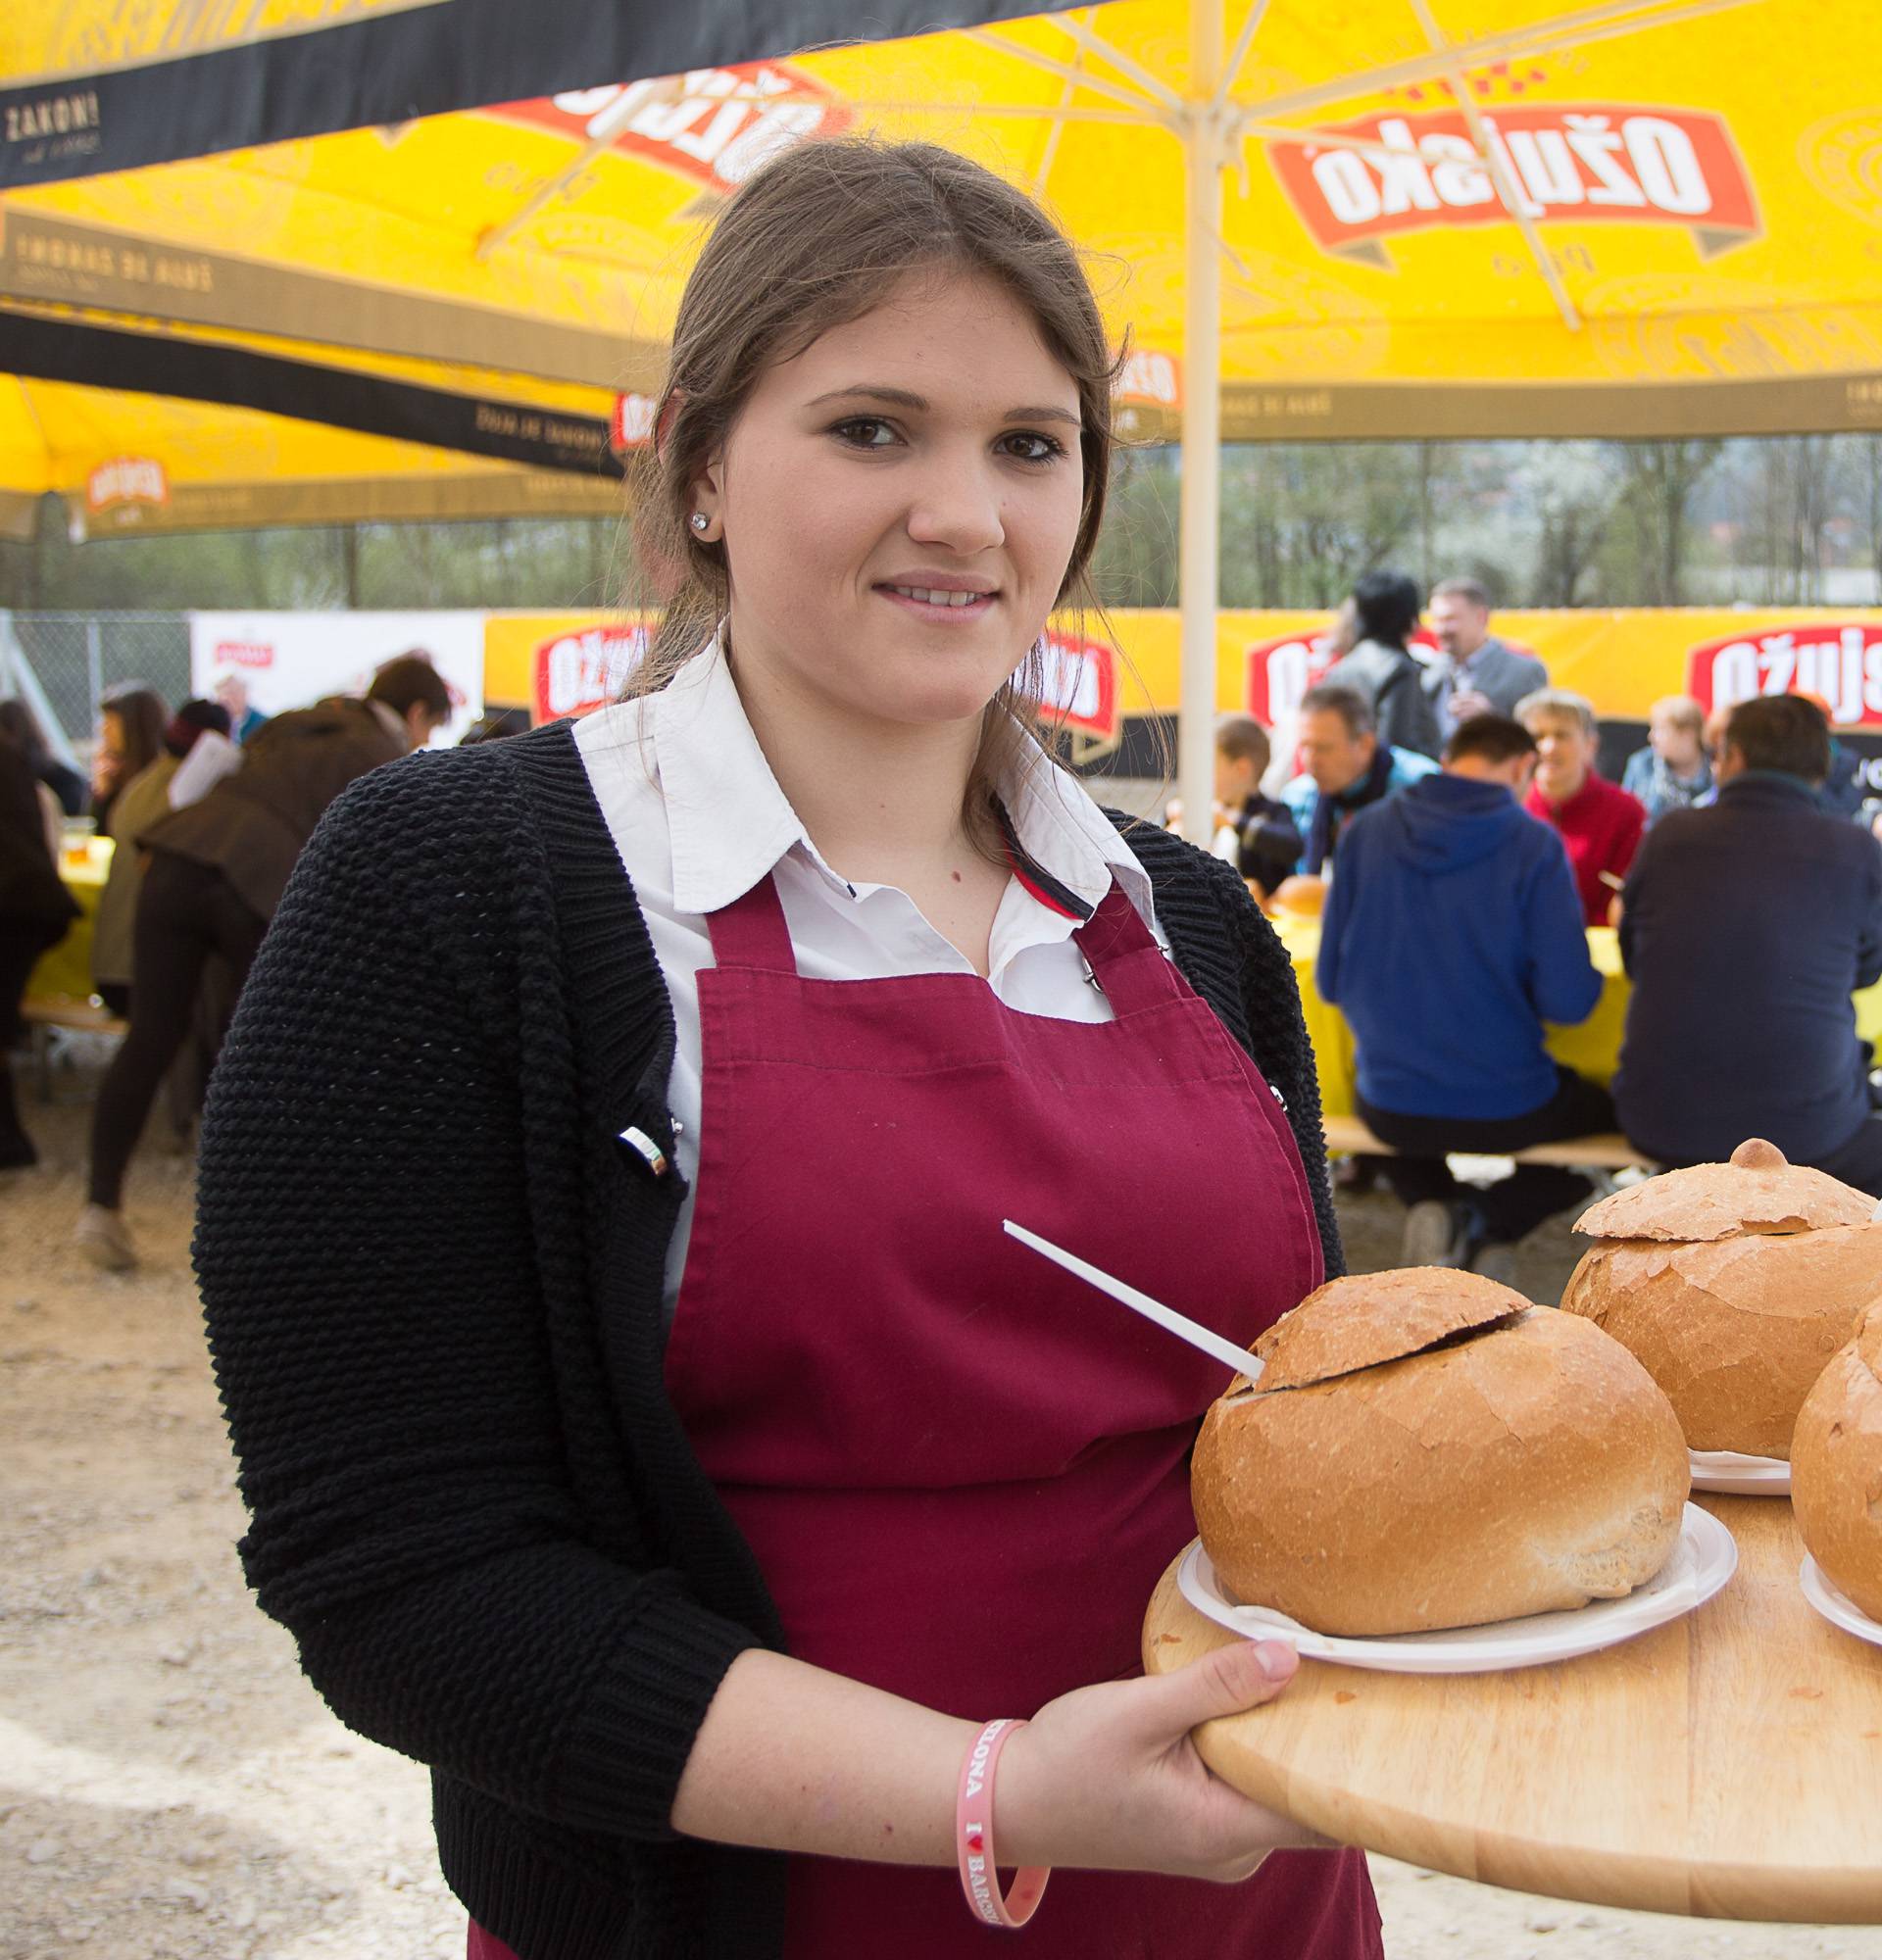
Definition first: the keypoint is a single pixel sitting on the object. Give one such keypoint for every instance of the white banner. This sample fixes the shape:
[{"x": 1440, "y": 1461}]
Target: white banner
[{"x": 291, "y": 659}]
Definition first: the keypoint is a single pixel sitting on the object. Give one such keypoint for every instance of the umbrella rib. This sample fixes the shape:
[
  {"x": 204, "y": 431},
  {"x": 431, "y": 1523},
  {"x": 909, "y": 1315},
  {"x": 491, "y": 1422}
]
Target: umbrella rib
[
  {"x": 1508, "y": 189},
  {"x": 1049, "y": 155},
  {"x": 1125, "y": 65},
  {"x": 1243, "y": 41},
  {"x": 1595, "y": 23},
  {"x": 1139, "y": 118},
  {"x": 1083, "y": 78}
]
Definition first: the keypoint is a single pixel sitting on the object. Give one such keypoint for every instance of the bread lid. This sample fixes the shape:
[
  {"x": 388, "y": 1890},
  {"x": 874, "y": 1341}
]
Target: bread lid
[
  {"x": 1363, "y": 1319},
  {"x": 1756, "y": 1191}
]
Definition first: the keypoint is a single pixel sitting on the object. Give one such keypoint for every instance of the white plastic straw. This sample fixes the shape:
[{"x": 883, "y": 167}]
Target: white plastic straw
[{"x": 1167, "y": 1317}]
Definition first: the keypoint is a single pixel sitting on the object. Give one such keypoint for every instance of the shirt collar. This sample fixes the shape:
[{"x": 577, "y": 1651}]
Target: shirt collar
[{"x": 730, "y": 821}]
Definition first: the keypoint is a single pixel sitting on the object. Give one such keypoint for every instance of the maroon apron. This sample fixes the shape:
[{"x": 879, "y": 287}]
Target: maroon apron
[{"x": 961, "y": 1470}]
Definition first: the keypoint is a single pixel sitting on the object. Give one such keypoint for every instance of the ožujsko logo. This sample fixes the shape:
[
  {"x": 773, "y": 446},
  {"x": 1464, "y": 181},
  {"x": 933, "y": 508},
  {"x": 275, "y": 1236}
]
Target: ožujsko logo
[
  {"x": 126, "y": 479},
  {"x": 713, "y": 124},
  {"x": 1838, "y": 659},
  {"x": 1592, "y": 162},
  {"x": 575, "y": 673}
]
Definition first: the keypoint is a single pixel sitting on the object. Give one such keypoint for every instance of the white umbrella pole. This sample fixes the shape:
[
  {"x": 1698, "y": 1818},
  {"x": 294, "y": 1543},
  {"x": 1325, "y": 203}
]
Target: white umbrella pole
[{"x": 1199, "y": 548}]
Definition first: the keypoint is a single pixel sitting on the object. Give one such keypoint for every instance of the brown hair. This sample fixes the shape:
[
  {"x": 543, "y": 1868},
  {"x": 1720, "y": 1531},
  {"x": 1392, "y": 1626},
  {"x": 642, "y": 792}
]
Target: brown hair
[
  {"x": 1332, "y": 697},
  {"x": 410, "y": 680},
  {"x": 1497, "y": 738},
  {"x": 1241, "y": 737},
  {"x": 142, "y": 715},
  {"x": 1782, "y": 731},
  {"x": 817, "y": 238}
]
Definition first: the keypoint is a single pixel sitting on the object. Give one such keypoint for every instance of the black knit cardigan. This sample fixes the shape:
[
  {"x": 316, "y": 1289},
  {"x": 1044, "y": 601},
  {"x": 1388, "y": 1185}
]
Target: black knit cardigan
[{"x": 432, "y": 1277}]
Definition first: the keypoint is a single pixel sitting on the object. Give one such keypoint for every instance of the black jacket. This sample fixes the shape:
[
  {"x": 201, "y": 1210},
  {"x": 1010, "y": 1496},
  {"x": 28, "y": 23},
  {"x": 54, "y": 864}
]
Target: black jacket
[
  {"x": 1746, "y": 928},
  {"x": 432, "y": 1279}
]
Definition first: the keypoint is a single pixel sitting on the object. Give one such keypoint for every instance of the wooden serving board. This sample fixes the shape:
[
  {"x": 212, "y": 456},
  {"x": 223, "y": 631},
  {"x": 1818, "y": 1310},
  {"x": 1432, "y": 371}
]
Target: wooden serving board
[{"x": 1728, "y": 1765}]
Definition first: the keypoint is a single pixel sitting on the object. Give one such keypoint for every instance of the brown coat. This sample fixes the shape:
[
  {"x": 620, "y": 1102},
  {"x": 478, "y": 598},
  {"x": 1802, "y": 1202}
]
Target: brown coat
[{"x": 252, "y": 825}]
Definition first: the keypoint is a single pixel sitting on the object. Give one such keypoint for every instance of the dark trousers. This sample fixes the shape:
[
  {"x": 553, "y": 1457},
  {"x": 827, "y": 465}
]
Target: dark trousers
[
  {"x": 1516, "y": 1204},
  {"x": 186, "y": 913},
  {"x": 22, "y": 942}
]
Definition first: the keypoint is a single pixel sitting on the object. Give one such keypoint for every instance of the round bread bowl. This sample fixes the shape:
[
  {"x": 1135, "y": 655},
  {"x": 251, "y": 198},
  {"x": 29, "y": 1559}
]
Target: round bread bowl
[
  {"x": 1733, "y": 1285},
  {"x": 1836, "y": 1469},
  {"x": 1425, "y": 1450}
]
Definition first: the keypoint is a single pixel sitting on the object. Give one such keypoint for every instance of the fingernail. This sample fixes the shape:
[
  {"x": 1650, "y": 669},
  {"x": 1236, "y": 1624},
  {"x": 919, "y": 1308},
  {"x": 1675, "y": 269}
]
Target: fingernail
[{"x": 1276, "y": 1659}]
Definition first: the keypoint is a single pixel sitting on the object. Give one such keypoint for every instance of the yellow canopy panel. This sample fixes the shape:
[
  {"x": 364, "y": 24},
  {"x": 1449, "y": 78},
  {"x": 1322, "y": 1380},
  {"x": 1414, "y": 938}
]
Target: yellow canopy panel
[
  {"x": 130, "y": 463},
  {"x": 1655, "y": 218}
]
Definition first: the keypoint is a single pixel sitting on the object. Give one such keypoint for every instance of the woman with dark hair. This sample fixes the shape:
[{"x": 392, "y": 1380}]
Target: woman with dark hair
[
  {"x": 216, "y": 872},
  {"x": 20, "y": 727},
  {"x": 132, "y": 720},
  {"x": 144, "y": 801},
  {"x": 647, "y": 1422},
  {"x": 1382, "y": 668}
]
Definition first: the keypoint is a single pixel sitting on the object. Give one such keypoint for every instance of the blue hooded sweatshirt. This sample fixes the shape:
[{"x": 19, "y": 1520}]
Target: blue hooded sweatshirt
[{"x": 1452, "y": 931}]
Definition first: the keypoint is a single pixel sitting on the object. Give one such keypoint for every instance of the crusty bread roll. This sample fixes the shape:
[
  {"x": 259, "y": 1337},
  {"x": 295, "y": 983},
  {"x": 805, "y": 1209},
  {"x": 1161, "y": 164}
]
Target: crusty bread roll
[
  {"x": 1500, "y": 1460},
  {"x": 1733, "y": 1284},
  {"x": 1836, "y": 1469}
]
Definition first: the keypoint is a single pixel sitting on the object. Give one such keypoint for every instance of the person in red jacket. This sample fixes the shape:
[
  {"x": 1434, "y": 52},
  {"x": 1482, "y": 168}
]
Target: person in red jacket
[{"x": 1599, "y": 824}]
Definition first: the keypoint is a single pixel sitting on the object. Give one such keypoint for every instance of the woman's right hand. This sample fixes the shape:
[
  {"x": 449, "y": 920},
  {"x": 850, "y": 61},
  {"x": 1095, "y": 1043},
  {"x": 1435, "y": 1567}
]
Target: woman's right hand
[{"x": 1106, "y": 1778}]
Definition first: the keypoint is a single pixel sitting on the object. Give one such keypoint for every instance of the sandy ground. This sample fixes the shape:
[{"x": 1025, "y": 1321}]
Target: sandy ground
[{"x": 170, "y": 1786}]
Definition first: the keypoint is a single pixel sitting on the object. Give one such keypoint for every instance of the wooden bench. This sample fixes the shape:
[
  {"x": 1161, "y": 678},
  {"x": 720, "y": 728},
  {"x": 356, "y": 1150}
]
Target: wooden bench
[
  {"x": 1609, "y": 1151},
  {"x": 53, "y": 1019}
]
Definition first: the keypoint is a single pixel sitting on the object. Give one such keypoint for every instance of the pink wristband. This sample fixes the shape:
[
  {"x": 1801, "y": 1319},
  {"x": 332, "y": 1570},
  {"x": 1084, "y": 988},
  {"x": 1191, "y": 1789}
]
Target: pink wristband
[{"x": 974, "y": 1836}]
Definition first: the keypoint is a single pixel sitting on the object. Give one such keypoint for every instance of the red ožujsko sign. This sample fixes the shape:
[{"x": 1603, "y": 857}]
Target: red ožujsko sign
[
  {"x": 575, "y": 673},
  {"x": 1594, "y": 162},
  {"x": 1839, "y": 660},
  {"x": 1277, "y": 672}
]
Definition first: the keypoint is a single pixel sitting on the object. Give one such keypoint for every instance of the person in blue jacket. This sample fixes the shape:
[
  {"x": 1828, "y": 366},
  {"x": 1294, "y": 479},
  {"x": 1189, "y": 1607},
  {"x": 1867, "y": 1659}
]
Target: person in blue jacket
[{"x": 1452, "y": 931}]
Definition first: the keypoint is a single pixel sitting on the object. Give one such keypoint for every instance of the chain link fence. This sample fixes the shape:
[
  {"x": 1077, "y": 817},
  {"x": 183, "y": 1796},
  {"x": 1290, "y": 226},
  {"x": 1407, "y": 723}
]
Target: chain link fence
[{"x": 63, "y": 664}]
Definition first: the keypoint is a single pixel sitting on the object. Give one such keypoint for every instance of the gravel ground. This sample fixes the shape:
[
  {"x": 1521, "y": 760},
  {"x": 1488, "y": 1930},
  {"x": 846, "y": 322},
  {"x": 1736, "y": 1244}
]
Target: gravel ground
[{"x": 170, "y": 1786}]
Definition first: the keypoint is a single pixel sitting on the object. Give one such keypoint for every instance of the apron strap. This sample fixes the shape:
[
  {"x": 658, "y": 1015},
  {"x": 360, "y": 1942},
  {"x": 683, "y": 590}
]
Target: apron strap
[
  {"x": 751, "y": 931},
  {"x": 1124, "y": 958}
]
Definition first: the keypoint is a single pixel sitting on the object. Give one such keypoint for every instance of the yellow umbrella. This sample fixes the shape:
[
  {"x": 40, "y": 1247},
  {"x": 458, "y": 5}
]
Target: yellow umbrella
[
  {"x": 135, "y": 465},
  {"x": 1386, "y": 218}
]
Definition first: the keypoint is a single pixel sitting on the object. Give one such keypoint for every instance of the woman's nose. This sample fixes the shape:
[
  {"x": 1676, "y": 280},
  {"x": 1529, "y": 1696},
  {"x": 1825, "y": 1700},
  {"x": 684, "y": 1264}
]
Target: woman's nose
[{"x": 957, "y": 504}]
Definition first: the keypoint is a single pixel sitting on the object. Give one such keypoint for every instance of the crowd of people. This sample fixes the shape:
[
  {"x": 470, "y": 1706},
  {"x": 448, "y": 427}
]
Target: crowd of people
[
  {"x": 208, "y": 810},
  {"x": 1448, "y": 820}
]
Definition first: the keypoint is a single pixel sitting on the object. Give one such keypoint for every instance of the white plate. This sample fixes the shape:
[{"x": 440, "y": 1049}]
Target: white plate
[
  {"x": 1835, "y": 1606},
  {"x": 1706, "y": 1556},
  {"x": 1729, "y": 1474}
]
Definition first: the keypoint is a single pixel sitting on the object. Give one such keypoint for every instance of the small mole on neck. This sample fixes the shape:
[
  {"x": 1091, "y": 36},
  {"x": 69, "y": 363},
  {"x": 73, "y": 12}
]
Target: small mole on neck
[{"x": 956, "y": 875}]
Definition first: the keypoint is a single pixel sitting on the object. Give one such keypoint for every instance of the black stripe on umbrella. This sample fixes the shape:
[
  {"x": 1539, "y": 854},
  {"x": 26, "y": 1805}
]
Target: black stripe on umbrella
[
  {"x": 419, "y": 60},
  {"x": 194, "y": 370}
]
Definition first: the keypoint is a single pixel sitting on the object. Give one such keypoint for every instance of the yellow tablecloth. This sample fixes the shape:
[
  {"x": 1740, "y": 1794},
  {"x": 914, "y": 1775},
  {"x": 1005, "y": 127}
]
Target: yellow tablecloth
[
  {"x": 65, "y": 971},
  {"x": 1592, "y": 1048}
]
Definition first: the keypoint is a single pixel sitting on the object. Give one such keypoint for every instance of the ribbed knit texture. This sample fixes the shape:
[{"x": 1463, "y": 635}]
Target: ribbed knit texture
[{"x": 432, "y": 1281}]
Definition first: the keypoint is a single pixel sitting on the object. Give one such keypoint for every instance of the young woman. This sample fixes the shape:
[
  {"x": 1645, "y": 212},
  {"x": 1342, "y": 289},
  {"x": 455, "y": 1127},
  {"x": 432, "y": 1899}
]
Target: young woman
[
  {"x": 131, "y": 720},
  {"x": 645, "y": 1420}
]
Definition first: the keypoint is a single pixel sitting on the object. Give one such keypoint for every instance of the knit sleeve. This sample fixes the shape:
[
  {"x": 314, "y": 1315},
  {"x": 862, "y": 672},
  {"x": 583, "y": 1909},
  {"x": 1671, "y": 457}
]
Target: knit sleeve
[{"x": 372, "y": 1245}]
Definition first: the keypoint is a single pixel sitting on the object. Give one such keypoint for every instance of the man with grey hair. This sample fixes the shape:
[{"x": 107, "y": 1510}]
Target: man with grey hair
[
  {"x": 1475, "y": 672},
  {"x": 1598, "y": 822}
]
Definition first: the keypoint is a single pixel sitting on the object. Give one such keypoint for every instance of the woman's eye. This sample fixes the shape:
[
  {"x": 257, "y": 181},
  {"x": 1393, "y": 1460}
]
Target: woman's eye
[
  {"x": 1031, "y": 447},
  {"x": 864, "y": 432}
]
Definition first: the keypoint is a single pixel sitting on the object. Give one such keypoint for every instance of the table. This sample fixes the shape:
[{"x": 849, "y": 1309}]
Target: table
[
  {"x": 1726, "y": 1766},
  {"x": 1592, "y": 1048},
  {"x": 63, "y": 972}
]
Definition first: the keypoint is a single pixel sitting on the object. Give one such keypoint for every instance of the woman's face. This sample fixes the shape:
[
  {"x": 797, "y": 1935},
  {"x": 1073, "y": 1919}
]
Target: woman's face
[{"x": 898, "y": 505}]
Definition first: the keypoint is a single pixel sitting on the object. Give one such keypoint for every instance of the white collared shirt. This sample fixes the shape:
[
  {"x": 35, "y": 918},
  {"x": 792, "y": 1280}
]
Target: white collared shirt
[{"x": 699, "y": 819}]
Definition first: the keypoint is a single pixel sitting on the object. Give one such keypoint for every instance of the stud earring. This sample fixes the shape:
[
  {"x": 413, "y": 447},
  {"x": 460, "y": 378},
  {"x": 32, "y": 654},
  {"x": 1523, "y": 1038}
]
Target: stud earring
[{"x": 700, "y": 520}]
